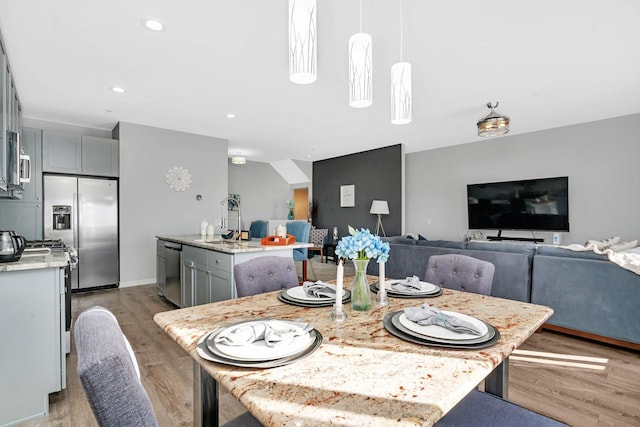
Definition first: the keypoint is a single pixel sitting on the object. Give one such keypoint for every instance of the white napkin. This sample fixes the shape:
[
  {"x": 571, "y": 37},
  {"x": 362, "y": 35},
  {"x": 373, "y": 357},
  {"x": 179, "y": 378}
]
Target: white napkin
[
  {"x": 273, "y": 332},
  {"x": 409, "y": 285},
  {"x": 426, "y": 315},
  {"x": 319, "y": 289}
]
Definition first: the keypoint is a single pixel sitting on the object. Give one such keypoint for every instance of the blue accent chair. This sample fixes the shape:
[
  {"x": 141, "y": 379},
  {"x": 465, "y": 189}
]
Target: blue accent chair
[
  {"x": 301, "y": 231},
  {"x": 258, "y": 229}
]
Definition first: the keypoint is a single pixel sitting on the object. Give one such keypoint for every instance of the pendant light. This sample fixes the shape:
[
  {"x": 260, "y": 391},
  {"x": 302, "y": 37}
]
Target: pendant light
[
  {"x": 303, "y": 42},
  {"x": 493, "y": 124},
  {"x": 360, "y": 68},
  {"x": 401, "y": 87}
]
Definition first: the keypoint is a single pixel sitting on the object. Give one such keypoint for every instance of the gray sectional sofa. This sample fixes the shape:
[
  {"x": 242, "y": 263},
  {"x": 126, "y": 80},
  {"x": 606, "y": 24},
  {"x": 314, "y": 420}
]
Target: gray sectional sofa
[{"x": 591, "y": 296}]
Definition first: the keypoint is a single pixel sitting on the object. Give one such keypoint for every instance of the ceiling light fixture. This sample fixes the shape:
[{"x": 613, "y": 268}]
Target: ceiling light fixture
[
  {"x": 231, "y": 116},
  {"x": 238, "y": 160},
  {"x": 360, "y": 68},
  {"x": 493, "y": 124},
  {"x": 401, "y": 87},
  {"x": 303, "y": 42},
  {"x": 153, "y": 25},
  {"x": 118, "y": 89}
]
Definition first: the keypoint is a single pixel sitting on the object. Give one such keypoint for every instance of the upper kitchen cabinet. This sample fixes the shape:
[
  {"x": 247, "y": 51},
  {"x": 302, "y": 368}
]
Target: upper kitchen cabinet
[{"x": 80, "y": 155}]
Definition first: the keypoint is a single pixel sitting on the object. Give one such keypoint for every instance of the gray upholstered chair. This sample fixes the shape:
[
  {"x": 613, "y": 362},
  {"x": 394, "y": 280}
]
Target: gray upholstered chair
[
  {"x": 480, "y": 409},
  {"x": 258, "y": 229},
  {"x": 109, "y": 372},
  {"x": 460, "y": 272},
  {"x": 265, "y": 274},
  {"x": 301, "y": 231}
]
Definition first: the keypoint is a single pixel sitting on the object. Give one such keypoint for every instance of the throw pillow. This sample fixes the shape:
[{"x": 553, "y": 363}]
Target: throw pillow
[
  {"x": 624, "y": 246},
  {"x": 421, "y": 237}
]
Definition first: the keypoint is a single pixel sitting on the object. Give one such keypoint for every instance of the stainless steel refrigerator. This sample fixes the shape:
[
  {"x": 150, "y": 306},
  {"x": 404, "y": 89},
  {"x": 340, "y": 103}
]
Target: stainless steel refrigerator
[{"x": 83, "y": 212}]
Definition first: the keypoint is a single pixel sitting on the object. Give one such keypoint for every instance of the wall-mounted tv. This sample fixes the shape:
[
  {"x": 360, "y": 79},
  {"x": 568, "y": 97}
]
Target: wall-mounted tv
[{"x": 532, "y": 204}]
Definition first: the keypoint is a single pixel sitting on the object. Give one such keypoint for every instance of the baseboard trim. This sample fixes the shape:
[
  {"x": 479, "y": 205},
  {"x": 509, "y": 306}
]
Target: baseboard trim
[
  {"x": 131, "y": 283},
  {"x": 594, "y": 337}
]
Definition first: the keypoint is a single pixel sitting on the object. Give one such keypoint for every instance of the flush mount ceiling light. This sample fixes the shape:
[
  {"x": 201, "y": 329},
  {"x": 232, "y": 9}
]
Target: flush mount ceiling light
[
  {"x": 303, "y": 43},
  {"x": 238, "y": 160},
  {"x": 493, "y": 124},
  {"x": 401, "y": 87},
  {"x": 231, "y": 116},
  {"x": 153, "y": 25},
  {"x": 360, "y": 68},
  {"x": 118, "y": 89}
]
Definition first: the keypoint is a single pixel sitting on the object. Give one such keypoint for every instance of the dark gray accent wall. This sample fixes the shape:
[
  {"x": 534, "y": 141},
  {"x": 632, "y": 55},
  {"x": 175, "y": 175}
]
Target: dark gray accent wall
[{"x": 376, "y": 174}]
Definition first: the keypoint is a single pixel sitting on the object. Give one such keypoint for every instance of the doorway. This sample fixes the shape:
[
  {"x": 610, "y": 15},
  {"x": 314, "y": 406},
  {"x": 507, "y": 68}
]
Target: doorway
[{"x": 301, "y": 200}]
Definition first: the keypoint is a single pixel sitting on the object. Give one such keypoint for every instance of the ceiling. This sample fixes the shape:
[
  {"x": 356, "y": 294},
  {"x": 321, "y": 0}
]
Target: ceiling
[{"x": 549, "y": 63}]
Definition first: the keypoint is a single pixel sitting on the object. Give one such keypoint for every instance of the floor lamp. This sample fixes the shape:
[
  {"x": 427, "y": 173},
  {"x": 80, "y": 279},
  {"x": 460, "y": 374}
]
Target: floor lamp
[{"x": 379, "y": 207}]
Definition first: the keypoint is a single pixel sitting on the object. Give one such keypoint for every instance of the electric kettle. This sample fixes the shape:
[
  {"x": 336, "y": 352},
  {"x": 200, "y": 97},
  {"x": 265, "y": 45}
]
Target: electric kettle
[{"x": 11, "y": 246}]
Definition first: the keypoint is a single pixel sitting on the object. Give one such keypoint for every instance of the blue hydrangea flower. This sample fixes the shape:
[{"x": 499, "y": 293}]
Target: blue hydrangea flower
[{"x": 361, "y": 244}]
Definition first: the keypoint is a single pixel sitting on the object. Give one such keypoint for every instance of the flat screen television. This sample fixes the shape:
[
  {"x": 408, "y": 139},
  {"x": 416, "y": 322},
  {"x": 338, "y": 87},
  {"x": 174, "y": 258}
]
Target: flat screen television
[{"x": 532, "y": 204}]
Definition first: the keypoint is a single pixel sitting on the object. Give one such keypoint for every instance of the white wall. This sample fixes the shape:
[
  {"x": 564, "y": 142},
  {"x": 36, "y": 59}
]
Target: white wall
[
  {"x": 148, "y": 207},
  {"x": 263, "y": 192},
  {"x": 600, "y": 158}
]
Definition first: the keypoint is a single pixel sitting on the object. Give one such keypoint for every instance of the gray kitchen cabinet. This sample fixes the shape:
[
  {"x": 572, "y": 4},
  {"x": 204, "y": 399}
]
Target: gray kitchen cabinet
[
  {"x": 99, "y": 156},
  {"x": 61, "y": 152},
  {"x": 79, "y": 154},
  {"x": 31, "y": 140},
  {"x": 33, "y": 342},
  {"x": 3, "y": 126},
  {"x": 206, "y": 276}
]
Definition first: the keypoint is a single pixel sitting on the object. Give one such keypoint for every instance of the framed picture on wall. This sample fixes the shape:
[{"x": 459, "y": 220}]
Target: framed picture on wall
[{"x": 347, "y": 196}]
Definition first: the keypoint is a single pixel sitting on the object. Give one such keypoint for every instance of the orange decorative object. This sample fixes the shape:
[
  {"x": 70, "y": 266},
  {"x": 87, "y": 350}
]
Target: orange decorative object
[{"x": 278, "y": 240}]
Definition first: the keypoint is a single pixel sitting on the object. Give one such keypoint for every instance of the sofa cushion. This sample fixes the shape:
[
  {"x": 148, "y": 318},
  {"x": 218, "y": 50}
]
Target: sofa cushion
[
  {"x": 568, "y": 253},
  {"x": 519, "y": 248},
  {"x": 402, "y": 240}
]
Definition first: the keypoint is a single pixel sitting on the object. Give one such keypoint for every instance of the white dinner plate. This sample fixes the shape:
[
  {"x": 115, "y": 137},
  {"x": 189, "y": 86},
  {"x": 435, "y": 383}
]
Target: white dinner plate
[
  {"x": 298, "y": 293},
  {"x": 258, "y": 350},
  {"x": 444, "y": 333},
  {"x": 425, "y": 287}
]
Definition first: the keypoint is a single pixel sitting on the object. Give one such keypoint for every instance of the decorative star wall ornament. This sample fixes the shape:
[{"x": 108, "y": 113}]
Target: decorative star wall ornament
[{"x": 178, "y": 178}]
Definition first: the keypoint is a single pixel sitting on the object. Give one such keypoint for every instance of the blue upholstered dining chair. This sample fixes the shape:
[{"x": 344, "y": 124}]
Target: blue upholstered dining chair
[
  {"x": 300, "y": 230},
  {"x": 258, "y": 229},
  {"x": 110, "y": 376},
  {"x": 460, "y": 272},
  {"x": 265, "y": 274}
]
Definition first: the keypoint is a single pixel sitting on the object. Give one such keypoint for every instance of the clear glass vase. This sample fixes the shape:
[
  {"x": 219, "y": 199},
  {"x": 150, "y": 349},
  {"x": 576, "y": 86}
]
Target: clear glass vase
[{"x": 360, "y": 295}]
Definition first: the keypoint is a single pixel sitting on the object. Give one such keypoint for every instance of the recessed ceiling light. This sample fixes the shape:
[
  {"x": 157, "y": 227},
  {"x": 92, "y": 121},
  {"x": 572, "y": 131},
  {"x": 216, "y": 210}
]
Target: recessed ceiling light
[
  {"x": 231, "y": 116},
  {"x": 153, "y": 25},
  {"x": 118, "y": 89}
]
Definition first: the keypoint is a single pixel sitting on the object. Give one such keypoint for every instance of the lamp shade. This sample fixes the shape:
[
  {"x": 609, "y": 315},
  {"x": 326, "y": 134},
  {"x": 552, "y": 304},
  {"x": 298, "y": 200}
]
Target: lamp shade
[
  {"x": 303, "y": 42},
  {"x": 380, "y": 207},
  {"x": 360, "y": 70},
  {"x": 493, "y": 124},
  {"x": 401, "y": 93}
]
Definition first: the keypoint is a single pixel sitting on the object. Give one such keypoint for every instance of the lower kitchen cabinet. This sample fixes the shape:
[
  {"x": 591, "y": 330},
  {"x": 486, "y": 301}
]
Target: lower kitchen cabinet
[{"x": 206, "y": 276}]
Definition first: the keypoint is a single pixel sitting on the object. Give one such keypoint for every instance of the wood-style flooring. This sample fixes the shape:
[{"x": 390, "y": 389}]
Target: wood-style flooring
[{"x": 579, "y": 382}]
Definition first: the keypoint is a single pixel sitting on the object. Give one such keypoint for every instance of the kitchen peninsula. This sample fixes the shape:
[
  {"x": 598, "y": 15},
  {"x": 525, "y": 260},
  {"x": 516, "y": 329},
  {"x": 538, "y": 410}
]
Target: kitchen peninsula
[
  {"x": 33, "y": 334},
  {"x": 192, "y": 270}
]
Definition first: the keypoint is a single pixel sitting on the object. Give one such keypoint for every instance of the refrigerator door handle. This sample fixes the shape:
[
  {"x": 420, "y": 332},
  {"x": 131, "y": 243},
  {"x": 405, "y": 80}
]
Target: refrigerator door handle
[{"x": 78, "y": 210}]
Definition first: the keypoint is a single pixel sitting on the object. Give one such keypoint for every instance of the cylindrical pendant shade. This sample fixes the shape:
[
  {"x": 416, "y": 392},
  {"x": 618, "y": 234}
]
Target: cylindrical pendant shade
[
  {"x": 360, "y": 70},
  {"x": 303, "y": 41},
  {"x": 401, "y": 93}
]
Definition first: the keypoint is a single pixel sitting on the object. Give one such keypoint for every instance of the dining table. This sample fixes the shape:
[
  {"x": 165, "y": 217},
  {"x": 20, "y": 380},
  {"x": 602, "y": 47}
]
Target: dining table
[{"x": 360, "y": 374}]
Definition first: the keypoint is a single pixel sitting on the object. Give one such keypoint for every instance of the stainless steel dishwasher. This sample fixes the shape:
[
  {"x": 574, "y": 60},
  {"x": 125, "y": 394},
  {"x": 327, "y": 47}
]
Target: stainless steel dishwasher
[{"x": 169, "y": 254}]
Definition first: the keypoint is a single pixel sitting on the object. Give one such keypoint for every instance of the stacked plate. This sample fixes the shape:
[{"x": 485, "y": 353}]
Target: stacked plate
[
  {"x": 297, "y": 296},
  {"x": 257, "y": 354},
  {"x": 427, "y": 290},
  {"x": 397, "y": 324}
]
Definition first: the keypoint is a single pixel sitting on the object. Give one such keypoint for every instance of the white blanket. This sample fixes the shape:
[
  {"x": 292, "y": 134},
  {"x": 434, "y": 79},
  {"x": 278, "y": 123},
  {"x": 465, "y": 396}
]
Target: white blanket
[{"x": 627, "y": 260}]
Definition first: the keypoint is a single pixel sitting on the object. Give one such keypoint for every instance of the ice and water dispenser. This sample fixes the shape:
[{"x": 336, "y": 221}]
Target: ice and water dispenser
[{"x": 62, "y": 217}]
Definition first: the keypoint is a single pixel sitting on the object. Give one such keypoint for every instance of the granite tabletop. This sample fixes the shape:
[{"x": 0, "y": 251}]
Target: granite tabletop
[
  {"x": 217, "y": 243},
  {"x": 30, "y": 261},
  {"x": 361, "y": 375}
]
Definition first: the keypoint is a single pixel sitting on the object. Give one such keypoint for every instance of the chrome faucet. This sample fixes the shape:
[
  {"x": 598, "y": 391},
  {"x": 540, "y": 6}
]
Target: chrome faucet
[{"x": 236, "y": 202}]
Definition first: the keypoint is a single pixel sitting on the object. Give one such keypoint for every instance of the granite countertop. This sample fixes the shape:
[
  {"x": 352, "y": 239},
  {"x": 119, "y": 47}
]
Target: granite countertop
[
  {"x": 30, "y": 261},
  {"x": 217, "y": 243},
  {"x": 361, "y": 374}
]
